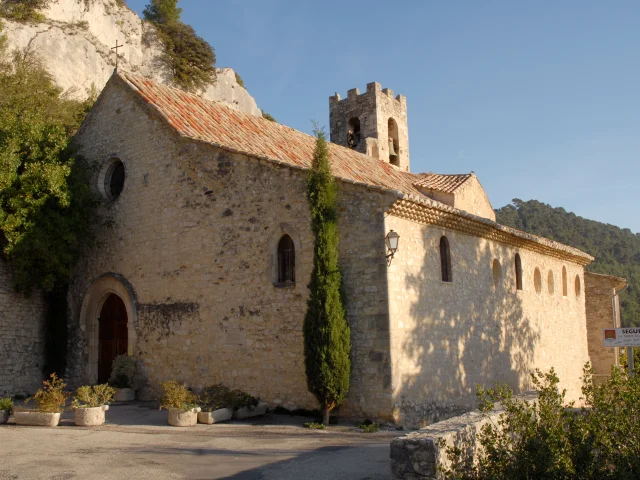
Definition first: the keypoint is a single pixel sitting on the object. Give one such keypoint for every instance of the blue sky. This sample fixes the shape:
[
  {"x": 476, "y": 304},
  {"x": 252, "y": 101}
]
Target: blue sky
[{"x": 540, "y": 99}]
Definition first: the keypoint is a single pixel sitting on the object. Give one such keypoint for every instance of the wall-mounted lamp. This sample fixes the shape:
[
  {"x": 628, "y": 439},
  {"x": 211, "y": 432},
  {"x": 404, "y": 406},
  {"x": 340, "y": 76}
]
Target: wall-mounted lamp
[{"x": 391, "y": 240}]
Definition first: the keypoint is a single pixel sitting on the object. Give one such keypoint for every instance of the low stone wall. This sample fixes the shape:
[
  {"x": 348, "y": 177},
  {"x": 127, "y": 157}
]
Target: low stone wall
[
  {"x": 22, "y": 337},
  {"x": 418, "y": 455}
]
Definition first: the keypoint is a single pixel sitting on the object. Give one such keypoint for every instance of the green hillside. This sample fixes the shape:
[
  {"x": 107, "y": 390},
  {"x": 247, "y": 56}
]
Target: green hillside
[{"x": 617, "y": 250}]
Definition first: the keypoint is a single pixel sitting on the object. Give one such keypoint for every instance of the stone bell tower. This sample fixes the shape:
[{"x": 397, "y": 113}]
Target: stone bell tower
[{"x": 373, "y": 123}]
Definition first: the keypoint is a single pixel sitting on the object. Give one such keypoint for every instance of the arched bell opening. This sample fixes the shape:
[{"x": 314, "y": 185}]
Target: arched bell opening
[
  {"x": 394, "y": 146},
  {"x": 353, "y": 135}
]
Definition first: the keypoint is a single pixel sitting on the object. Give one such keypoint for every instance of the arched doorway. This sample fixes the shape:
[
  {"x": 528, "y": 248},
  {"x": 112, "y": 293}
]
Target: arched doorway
[{"x": 113, "y": 335}]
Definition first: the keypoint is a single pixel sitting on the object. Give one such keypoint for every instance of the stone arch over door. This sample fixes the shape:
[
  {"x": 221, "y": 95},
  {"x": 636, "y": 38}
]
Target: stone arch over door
[{"x": 94, "y": 300}]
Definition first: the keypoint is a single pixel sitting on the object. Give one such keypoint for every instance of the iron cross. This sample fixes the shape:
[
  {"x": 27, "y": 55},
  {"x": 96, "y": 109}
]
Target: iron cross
[{"x": 116, "y": 49}]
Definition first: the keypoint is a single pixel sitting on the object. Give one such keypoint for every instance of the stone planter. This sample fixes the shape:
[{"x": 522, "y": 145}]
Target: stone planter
[
  {"x": 36, "y": 418},
  {"x": 245, "y": 412},
  {"x": 4, "y": 417},
  {"x": 89, "y": 417},
  {"x": 182, "y": 418},
  {"x": 124, "y": 395},
  {"x": 217, "y": 416}
]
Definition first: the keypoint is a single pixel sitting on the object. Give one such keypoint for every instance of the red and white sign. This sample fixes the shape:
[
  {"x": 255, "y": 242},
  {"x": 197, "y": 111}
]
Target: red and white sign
[{"x": 621, "y": 337}]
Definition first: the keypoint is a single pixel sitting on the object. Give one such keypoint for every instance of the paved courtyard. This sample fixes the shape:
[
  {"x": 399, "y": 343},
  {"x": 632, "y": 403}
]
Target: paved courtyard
[{"x": 137, "y": 443}]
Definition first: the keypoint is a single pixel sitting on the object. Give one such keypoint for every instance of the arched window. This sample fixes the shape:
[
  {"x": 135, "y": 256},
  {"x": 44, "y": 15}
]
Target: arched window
[
  {"x": 445, "y": 260},
  {"x": 394, "y": 146},
  {"x": 578, "y": 286},
  {"x": 564, "y": 281},
  {"x": 550, "y": 282},
  {"x": 537, "y": 280},
  {"x": 497, "y": 272},
  {"x": 518, "y": 272},
  {"x": 353, "y": 137},
  {"x": 286, "y": 260}
]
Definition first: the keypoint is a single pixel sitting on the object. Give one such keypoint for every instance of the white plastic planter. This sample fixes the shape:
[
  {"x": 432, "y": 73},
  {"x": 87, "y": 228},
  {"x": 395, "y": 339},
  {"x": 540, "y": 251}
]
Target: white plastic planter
[
  {"x": 36, "y": 418},
  {"x": 245, "y": 412},
  {"x": 124, "y": 395},
  {"x": 182, "y": 418},
  {"x": 217, "y": 416},
  {"x": 90, "y": 417}
]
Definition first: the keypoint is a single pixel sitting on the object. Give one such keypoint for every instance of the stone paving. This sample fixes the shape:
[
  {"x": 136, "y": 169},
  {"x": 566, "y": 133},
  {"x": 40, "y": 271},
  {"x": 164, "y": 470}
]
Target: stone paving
[{"x": 136, "y": 442}]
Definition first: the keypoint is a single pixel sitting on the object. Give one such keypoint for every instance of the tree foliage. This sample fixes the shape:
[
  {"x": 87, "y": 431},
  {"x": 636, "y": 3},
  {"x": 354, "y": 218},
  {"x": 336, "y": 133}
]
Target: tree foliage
[
  {"x": 327, "y": 341},
  {"x": 548, "y": 439},
  {"x": 191, "y": 59},
  {"x": 46, "y": 206},
  {"x": 616, "y": 250}
]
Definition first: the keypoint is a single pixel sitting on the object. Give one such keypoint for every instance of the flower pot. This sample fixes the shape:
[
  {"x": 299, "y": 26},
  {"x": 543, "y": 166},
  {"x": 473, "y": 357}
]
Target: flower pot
[
  {"x": 182, "y": 418},
  {"x": 88, "y": 417},
  {"x": 124, "y": 395},
  {"x": 247, "y": 412},
  {"x": 217, "y": 416},
  {"x": 36, "y": 418},
  {"x": 4, "y": 417}
]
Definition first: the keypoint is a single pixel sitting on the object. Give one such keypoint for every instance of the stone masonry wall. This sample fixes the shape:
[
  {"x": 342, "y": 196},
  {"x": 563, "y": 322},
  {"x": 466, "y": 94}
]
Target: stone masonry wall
[
  {"x": 472, "y": 198},
  {"x": 21, "y": 337},
  {"x": 601, "y": 313},
  {"x": 448, "y": 337},
  {"x": 195, "y": 234}
]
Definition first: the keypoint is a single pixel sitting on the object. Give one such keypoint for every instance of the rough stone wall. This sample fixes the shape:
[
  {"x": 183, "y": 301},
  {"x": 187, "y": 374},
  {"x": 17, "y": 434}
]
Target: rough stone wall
[
  {"x": 75, "y": 43},
  {"x": 195, "y": 234},
  {"x": 603, "y": 311},
  {"x": 472, "y": 198},
  {"x": 448, "y": 337},
  {"x": 22, "y": 337},
  {"x": 373, "y": 108}
]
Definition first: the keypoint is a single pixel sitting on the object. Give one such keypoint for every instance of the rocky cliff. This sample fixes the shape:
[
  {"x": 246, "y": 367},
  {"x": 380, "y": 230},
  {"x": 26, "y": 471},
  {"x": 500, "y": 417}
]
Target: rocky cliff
[{"x": 75, "y": 41}]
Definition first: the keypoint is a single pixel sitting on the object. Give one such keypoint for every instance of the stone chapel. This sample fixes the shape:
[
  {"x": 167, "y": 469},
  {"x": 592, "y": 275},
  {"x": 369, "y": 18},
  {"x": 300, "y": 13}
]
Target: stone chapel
[{"x": 202, "y": 273}]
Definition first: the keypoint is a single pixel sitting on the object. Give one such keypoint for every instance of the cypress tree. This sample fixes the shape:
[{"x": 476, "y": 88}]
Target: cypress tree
[{"x": 327, "y": 338}]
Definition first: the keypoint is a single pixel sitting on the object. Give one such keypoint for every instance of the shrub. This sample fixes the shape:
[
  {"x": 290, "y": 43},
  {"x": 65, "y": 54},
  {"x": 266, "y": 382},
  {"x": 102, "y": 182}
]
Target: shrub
[
  {"x": 23, "y": 10},
  {"x": 548, "y": 439},
  {"x": 125, "y": 373},
  {"x": 6, "y": 404},
  {"x": 244, "y": 400},
  {"x": 268, "y": 116},
  {"x": 239, "y": 80},
  {"x": 96, "y": 396},
  {"x": 52, "y": 397},
  {"x": 177, "y": 395},
  {"x": 368, "y": 426},
  {"x": 215, "y": 397},
  {"x": 314, "y": 425}
]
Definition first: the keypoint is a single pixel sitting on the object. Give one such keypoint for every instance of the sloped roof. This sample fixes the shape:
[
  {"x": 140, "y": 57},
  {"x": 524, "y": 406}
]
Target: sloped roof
[
  {"x": 199, "y": 119},
  {"x": 447, "y": 183},
  {"x": 214, "y": 123}
]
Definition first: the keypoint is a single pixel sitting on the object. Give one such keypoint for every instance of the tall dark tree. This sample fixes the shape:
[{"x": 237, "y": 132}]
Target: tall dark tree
[{"x": 327, "y": 337}]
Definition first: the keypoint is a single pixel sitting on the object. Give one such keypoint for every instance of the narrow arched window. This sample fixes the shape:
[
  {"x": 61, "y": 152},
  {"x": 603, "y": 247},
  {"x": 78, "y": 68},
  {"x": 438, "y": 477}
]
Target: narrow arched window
[
  {"x": 518, "y": 272},
  {"x": 286, "y": 260},
  {"x": 564, "y": 281},
  {"x": 445, "y": 260},
  {"x": 497, "y": 272},
  {"x": 353, "y": 136}
]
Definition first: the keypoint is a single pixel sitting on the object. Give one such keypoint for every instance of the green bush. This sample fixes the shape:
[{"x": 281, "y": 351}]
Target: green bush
[
  {"x": 239, "y": 80},
  {"x": 549, "y": 439},
  {"x": 125, "y": 373},
  {"x": 268, "y": 116},
  {"x": 90, "y": 397},
  {"x": 314, "y": 425},
  {"x": 368, "y": 426},
  {"x": 23, "y": 10},
  {"x": 177, "y": 395},
  {"x": 6, "y": 404},
  {"x": 52, "y": 397},
  {"x": 215, "y": 397}
]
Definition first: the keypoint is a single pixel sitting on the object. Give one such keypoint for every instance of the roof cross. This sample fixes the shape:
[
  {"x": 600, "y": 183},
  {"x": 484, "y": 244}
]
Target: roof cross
[{"x": 116, "y": 49}]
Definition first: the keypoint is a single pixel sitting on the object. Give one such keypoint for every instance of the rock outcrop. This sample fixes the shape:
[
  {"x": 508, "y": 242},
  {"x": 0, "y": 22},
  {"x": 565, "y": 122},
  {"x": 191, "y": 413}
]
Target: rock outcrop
[{"x": 75, "y": 41}]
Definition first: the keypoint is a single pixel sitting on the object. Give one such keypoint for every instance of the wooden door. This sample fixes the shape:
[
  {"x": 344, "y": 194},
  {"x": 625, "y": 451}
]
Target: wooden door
[{"x": 113, "y": 335}]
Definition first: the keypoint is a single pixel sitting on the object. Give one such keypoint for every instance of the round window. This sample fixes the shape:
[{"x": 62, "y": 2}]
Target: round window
[{"x": 114, "y": 179}]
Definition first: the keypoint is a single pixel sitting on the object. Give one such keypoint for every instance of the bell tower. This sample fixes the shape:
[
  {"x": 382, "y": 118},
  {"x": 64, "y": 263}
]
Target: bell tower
[{"x": 373, "y": 123}]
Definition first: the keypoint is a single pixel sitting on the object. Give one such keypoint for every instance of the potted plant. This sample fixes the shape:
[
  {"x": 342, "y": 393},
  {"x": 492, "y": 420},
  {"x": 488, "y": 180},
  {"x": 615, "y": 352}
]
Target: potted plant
[
  {"x": 91, "y": 403},
  {"x": 181, "y": 404},
  {"x": 246, "y": 405},
  {"x": 216, "y": 402},
  {"x": 6, "y": 404},
  {"x": 50, "y": 400},
  {"x": 125, "y": 378}
]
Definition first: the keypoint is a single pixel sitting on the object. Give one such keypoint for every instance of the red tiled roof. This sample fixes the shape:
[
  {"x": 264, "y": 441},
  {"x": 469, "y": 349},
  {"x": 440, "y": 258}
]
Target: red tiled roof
[
  {"x": 197, "y": 118},
  {"x": 443, "y": 183}
]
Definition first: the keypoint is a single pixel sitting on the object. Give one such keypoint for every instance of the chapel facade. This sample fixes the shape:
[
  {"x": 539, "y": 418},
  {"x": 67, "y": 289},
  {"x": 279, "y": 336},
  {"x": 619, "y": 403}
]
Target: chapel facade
[{"x": 202, "y": 272}]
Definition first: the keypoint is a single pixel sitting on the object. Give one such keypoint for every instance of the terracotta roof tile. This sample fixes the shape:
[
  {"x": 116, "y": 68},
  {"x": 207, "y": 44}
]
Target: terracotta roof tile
[{"x": 441, "y": 182}]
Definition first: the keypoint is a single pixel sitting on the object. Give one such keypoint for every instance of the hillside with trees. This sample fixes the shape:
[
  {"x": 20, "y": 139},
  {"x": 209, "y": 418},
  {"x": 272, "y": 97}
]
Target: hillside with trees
[{"x": 616, "y": 250}]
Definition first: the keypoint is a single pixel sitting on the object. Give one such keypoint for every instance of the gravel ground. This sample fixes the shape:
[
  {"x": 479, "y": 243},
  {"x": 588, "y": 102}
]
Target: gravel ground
[{"x": 137, "y": 443}]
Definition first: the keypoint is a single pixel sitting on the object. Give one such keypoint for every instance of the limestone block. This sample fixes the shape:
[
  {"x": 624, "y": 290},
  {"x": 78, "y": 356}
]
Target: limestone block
[
  {"x": 87, "y": 417},
  {"x": 35, "y": 418},
  {"x": 217, "y": 416},
  {"x": 181, "y": 418},
  {"x": 247, "y": 412}
]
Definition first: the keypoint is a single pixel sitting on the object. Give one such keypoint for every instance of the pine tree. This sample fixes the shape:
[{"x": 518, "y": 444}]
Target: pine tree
[{"x": 327, "y": 338}]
